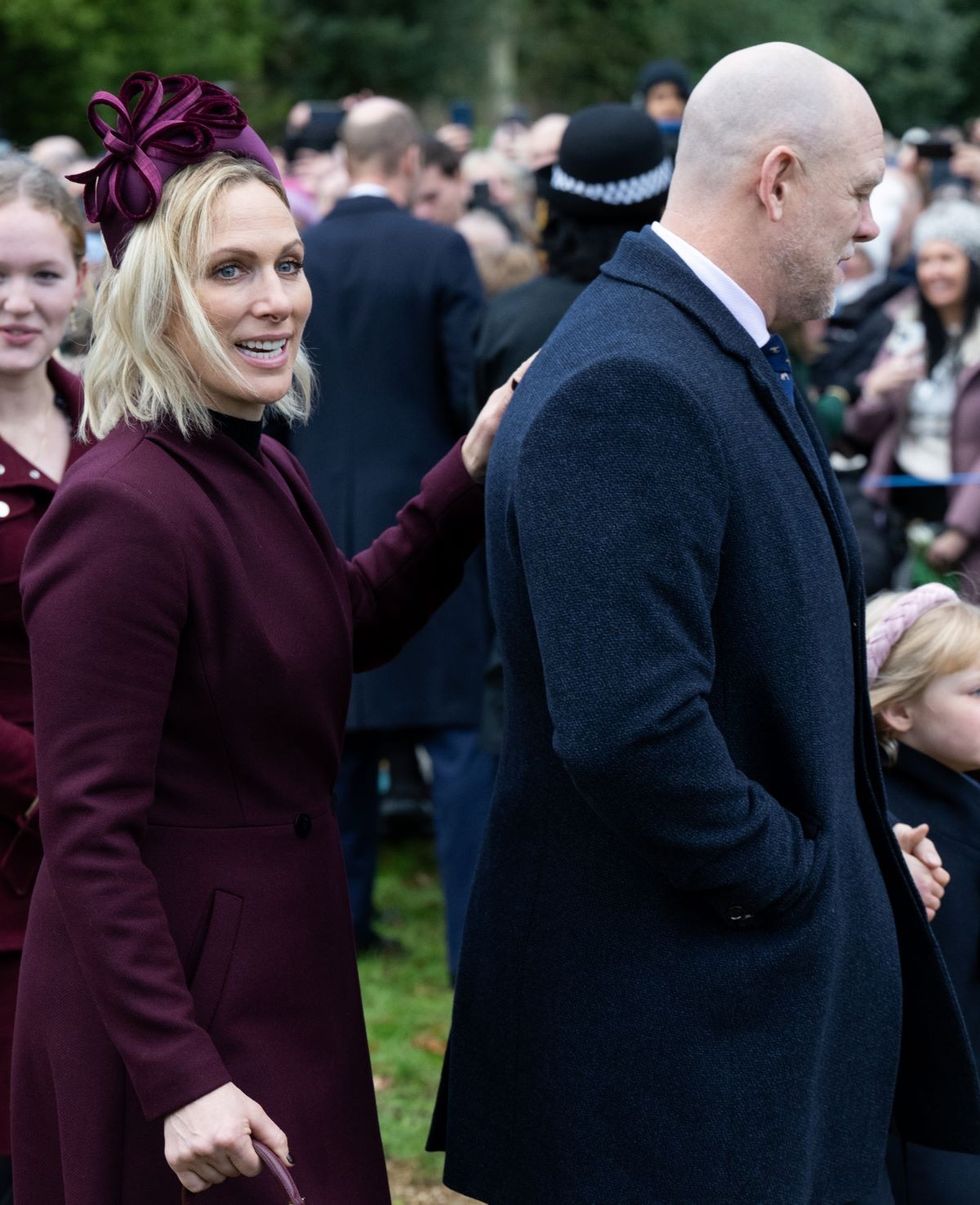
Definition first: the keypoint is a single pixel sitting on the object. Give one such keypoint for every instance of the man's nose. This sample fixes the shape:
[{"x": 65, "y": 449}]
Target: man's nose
[{"x": 868, "y": 228}]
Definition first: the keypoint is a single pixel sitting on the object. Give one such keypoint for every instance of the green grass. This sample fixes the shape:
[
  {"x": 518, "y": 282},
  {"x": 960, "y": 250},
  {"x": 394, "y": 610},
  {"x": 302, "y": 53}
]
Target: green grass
[{"x": 407, "y": 1003}]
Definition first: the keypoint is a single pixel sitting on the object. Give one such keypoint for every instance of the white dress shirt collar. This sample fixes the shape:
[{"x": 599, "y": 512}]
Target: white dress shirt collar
[
  {"x": 731, "y": 295},
  {"x": 368, "y": 190}
]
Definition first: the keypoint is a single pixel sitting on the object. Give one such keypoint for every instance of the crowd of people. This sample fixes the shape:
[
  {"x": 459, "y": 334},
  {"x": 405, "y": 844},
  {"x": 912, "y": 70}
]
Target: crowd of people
[{"x": 271, "y": 377}]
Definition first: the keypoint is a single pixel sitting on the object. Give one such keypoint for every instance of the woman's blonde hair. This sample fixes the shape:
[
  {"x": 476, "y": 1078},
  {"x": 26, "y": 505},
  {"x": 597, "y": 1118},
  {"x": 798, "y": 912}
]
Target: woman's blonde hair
[
  {"x": 134, "y": 372},
  {"x": 22, "y": 180},
  {"x": 944, "y": 640}
]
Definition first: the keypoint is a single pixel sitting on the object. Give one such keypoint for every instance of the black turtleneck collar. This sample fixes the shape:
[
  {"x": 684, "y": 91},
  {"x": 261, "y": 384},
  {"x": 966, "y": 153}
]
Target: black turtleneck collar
[{"x": 245, "y": 432}]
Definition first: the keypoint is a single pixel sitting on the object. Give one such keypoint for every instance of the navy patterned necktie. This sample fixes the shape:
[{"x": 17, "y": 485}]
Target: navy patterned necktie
[{"x": 778, "y": 357}]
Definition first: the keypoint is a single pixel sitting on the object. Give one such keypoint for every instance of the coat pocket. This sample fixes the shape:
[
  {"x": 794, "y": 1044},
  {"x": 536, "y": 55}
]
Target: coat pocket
[{"x": 208, "y": 980}]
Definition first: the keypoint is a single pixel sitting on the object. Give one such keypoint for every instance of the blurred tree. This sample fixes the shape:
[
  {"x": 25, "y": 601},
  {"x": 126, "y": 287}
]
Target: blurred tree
[
  {"x": 909, "y": 53},
  {"x": 916, "y": 56},
  {"x": 55, "y": 53},
  {"x": 412, "y": 49}
]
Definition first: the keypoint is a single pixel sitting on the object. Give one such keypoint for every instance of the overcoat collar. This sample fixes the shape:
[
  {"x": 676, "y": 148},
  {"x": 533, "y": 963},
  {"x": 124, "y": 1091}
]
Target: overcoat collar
[
  {"x": 959, "y": 793},
  {"x": 349, "y": 206},
  {"x": 645, "y": 260}
]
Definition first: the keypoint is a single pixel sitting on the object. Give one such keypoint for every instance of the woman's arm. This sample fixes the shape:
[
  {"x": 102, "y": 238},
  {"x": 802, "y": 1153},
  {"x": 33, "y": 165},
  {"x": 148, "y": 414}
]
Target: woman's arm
[{"x": 884, "y": 392}]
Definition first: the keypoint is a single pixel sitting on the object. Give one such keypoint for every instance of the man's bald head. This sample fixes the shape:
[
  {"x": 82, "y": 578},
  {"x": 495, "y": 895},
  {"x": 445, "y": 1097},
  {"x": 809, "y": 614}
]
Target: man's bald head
[
  {"x": 778, "y": 155},
  {"x": 756, "y": 99},
  {"x": 376, "y": 134}
]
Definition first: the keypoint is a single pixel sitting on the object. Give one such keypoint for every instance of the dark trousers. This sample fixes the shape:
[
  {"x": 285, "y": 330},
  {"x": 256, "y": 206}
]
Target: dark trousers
[{"x": 462, "y": 783}]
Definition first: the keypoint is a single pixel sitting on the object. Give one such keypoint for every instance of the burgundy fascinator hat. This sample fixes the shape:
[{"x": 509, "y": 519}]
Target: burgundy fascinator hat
[{"x": 161, "y": 126}]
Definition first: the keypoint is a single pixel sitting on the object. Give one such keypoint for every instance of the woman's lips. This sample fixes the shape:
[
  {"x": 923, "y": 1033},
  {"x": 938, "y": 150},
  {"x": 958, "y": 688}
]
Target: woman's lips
[
  {"x": 18, "y": 336},
  {"x": 265, "y": 352}
]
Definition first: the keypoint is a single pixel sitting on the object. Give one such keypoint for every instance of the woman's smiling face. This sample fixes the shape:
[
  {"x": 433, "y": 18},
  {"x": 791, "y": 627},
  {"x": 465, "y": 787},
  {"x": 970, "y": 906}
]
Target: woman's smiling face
[
  {"x": 255, "y": 295},
  {"x": 943, "y": 272},
  {"x": 39, "y": 285}
]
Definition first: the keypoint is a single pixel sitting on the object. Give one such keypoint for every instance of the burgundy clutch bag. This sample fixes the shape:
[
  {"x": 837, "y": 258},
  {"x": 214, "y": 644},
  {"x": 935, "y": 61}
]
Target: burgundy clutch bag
[{"x": 278, "y": 1169}]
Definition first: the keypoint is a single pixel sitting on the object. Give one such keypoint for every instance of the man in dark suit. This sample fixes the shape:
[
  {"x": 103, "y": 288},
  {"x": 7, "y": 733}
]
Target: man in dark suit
[
  {"x": 396, "y": 303},
  {"x": 696, "y": 970}
]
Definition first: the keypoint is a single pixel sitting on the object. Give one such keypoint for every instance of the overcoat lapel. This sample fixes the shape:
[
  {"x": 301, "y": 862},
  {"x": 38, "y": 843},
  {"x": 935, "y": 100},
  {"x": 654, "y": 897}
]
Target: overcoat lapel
[{"x": 647, "y": 261}]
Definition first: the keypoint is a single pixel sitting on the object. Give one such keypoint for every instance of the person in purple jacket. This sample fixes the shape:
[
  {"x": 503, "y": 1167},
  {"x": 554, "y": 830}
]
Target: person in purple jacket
[{"x": 189, "y": 980}]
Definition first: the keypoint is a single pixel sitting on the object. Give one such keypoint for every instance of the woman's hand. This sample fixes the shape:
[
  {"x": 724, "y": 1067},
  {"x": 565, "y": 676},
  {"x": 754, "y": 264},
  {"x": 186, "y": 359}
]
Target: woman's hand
[
  {"x": 925, "y": 866},
  {"x": 899, "y": 372},
  {"x": 477, "y": 445},
  {"x": 947, "y": 549},
  {"x": 210, "y": 1140}
]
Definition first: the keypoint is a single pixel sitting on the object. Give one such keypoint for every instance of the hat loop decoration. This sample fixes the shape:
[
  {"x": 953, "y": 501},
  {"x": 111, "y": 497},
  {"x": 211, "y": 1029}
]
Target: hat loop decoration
[{"x": 161, "y": 125}]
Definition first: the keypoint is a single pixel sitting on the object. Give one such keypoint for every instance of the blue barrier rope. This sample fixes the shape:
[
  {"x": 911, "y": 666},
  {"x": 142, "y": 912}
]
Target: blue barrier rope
[{"x": 903, "y": 481}]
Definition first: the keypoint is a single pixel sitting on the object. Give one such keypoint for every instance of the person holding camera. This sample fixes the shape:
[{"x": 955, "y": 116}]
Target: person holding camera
[{"x": 919, "y": 407}]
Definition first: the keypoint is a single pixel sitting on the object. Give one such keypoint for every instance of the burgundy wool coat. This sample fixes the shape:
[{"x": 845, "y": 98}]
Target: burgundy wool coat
[
  {"x": 193, "y": 631},
  {"x": 25, "y": 495}
]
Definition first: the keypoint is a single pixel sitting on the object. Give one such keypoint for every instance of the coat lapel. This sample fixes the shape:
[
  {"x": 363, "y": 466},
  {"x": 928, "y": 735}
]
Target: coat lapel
[{"x": 646, "y": 260}]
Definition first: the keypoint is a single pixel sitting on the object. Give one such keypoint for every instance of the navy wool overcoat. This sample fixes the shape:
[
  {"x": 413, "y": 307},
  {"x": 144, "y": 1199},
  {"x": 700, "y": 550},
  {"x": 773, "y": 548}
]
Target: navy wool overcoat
[
  {"x": 396, "y": 303},
  {"x": 695, "y": 971}
]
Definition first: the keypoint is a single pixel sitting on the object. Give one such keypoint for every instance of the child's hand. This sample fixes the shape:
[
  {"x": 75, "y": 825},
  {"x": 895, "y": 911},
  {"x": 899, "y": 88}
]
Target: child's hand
[{"x": 925, "y": 865}]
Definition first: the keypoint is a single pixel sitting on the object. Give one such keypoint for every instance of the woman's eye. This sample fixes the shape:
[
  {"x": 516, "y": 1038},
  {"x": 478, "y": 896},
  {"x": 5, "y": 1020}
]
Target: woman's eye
[
  {"x": 291, "y": 267},
  {"x": 47, "y": 277},
  {"x": 227, "y": 272}
]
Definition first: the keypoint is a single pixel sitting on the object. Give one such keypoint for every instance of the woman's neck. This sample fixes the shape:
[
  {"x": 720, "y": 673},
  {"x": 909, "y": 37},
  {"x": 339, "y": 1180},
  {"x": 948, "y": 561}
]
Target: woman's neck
[
  {"x": 23, "y": 396},
  {"x": 952, "y": 316}
]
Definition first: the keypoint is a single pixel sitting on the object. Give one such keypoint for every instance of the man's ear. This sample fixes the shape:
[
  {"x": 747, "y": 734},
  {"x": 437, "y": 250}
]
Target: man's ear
[
  {"x": 897, "y": 717},
  {"x": 411, "y": 161},
  {"x": 780, "y": 171}
]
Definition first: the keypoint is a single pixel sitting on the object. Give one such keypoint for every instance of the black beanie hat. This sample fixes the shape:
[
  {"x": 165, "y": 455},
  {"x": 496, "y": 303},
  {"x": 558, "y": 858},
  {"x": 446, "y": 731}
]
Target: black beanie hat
[
  {"x": 320, "y": 133},
  {"x": 664, "y": 71},
  {"x": 611, "y": 167}
]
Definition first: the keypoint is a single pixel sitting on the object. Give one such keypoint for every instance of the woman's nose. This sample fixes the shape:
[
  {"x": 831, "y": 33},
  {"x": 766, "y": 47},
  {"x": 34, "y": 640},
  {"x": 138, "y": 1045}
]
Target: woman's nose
[
  {"x": 15, "y": 296},
  {"x": 272, "y": 298}
]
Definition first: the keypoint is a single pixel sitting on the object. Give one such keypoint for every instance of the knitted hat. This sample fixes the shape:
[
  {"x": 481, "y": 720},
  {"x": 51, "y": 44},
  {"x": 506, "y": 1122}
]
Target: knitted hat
[
  {"x": 161, "y": 126},
  {"x": 664, "y": 71},
  {"x": 611, "y": 167},
  {"x": 956, "y": 222}
]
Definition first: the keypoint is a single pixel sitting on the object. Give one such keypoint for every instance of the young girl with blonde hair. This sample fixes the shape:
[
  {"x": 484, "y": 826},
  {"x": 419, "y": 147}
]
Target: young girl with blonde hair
[{"x": 924, "y": 679}]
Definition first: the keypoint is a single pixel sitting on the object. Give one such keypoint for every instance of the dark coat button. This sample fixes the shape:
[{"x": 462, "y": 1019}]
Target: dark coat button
[
  {"x": 303, "y": 825},
  {"x": 737, "y": 913}
]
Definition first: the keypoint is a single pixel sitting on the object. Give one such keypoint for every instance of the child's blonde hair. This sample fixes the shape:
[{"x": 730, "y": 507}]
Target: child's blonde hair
[{"x": 944, "y": 640}]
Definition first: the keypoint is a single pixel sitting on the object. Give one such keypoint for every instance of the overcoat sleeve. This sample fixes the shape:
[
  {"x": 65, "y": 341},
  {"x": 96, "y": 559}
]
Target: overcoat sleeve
[
  {"x": 618, "y": 520},
  {"x": 105, "y": 600},
  {"x": 413, "y": 566}
]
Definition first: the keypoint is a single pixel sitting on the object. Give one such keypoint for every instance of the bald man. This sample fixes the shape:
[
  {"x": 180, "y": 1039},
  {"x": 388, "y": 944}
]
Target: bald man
[{"x": 695, "y": 970}]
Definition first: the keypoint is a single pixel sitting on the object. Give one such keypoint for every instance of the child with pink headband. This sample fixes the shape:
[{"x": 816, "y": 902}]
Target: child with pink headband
[{"x": 924, "y": 679}]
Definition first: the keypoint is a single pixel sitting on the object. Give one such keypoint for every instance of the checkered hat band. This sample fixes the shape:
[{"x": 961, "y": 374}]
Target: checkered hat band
[{"x": 634, "y": 191}]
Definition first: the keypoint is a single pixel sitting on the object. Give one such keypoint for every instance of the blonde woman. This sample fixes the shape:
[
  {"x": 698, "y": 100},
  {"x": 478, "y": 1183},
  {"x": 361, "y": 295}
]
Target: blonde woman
[{"x": 189, "y": 981}]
